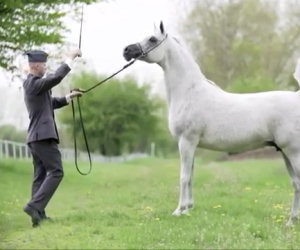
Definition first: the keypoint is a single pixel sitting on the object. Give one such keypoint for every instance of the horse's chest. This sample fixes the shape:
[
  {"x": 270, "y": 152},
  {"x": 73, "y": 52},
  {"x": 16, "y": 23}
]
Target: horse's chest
[{"x": 184, "y": 120}]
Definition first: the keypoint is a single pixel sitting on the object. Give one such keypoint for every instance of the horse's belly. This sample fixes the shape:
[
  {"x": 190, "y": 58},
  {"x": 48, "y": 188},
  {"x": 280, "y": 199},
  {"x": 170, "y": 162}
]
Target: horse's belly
[
  {"x": 234, "y": 141},
  {"x": 232, "y": 146}
]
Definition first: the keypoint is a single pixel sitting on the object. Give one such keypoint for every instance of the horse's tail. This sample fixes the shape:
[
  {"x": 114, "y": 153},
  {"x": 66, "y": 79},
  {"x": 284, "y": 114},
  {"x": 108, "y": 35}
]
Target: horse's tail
[{"x": 297, "y": 72}]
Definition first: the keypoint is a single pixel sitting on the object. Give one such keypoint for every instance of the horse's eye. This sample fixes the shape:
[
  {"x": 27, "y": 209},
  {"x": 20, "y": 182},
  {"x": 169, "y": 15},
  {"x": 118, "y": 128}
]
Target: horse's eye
[{"x": 153, "y": 39}]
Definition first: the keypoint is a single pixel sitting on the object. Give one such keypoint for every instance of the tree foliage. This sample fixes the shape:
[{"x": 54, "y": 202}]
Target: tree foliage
[
  {"x": 240, "y": 41},
  {"x": 26, "y": 23},
  {"x": 119, "y": 116}
]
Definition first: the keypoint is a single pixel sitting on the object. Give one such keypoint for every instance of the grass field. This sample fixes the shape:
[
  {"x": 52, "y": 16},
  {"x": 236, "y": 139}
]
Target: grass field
[{"x": 240, "y": 205}]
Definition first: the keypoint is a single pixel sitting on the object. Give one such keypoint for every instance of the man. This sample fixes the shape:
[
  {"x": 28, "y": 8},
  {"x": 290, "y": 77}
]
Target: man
[{"x": 42, "y": 132}]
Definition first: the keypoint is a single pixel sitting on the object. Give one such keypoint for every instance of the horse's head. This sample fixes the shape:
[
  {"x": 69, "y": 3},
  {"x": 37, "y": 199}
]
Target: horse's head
[{"x": 151, "y": 49}]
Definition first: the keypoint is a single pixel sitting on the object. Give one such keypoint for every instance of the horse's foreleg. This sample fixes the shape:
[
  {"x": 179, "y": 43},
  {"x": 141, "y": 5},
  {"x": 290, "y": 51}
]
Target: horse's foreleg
[
  {"x": 293, "y": 166},
  {"x": 190, "y": 188},
  {"x": 187, "y": 150}
]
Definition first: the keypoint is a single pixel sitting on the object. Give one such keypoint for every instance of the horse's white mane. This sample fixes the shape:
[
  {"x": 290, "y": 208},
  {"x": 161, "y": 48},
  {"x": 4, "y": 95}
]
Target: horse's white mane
[{"x": 187, "y": 51}]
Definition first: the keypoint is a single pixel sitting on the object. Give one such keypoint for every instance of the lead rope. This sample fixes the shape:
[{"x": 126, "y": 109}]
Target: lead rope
[
  {"x": 81, "y": 120},
  {"x": 88, "y": 90},
  {"x": 80, "y": 113},
  {"x": 85, "y": 139}
]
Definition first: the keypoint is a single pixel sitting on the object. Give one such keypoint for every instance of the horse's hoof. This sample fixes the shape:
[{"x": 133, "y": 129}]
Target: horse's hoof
[
  {"x": 177, "y": 212},
  {"x": 291, "y": 221},
  {"x": 185, "y": 212},
  {"x": 181, "y": 211}
]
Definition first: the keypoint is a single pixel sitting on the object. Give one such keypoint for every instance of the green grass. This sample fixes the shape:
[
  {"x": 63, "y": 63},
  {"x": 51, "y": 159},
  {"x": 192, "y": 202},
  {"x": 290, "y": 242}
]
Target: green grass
[{"x": 238, "y": 205}]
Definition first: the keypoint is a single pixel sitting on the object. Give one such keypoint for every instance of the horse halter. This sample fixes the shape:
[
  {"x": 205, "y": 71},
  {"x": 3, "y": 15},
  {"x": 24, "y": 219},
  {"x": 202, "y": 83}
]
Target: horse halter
[{"x": 144, "y": 53}]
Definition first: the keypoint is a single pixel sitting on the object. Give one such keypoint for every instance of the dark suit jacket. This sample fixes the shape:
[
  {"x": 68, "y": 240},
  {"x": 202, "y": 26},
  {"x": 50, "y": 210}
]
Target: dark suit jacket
[{"x": 40, "y": 104}]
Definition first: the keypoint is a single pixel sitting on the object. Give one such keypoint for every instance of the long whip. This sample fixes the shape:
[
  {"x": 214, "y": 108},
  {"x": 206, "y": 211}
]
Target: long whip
[{"x": 81, "y": 120}]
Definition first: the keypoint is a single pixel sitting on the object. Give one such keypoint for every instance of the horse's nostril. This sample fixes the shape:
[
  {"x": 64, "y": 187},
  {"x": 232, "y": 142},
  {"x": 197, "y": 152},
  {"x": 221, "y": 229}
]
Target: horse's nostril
[{"x": 126, "y": 49}]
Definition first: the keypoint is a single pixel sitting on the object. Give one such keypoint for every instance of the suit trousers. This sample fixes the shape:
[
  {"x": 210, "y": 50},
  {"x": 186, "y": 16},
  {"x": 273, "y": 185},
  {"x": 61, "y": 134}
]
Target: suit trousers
[{"x": 48, "y": 172}]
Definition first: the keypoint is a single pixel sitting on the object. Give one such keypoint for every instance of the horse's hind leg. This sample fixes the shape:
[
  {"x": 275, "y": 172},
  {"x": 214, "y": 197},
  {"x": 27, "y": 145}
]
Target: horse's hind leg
[
  {"x": 293, "y": 166},
  {"x": 187, "y": 150}
]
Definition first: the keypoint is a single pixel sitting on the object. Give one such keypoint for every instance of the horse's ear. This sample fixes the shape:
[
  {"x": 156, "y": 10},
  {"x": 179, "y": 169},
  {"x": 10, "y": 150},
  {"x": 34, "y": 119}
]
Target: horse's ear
[{"x": 161, "y": 26}]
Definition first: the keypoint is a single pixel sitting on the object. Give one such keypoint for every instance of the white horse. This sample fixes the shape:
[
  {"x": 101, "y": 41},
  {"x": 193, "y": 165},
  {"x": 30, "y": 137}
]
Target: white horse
[{"x": 202, "y": 114}]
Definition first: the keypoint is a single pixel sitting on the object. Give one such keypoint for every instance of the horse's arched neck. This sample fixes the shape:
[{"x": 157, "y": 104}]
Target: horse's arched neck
[{"x": 181, "y": 71}]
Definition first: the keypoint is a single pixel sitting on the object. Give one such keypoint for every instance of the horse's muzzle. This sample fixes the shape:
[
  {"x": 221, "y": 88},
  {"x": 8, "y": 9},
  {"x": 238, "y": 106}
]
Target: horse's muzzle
[{"x": 132, "y": 51}]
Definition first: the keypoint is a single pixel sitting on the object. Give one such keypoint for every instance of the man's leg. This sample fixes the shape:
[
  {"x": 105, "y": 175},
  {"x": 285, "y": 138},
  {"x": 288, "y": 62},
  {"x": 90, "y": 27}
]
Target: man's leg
[
  {"x": 39, "y": 174},
  {"x": 47, "y": 151}
]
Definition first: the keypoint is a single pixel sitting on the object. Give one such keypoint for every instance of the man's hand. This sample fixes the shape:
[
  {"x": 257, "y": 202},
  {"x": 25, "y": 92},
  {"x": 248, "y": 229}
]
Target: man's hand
[
  {"x": 75, "y": 53},
  {"x": 73, "y": 94}
]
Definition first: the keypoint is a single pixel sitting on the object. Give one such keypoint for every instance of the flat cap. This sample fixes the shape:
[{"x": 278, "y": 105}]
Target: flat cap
[{"x": 36, "y": 56}]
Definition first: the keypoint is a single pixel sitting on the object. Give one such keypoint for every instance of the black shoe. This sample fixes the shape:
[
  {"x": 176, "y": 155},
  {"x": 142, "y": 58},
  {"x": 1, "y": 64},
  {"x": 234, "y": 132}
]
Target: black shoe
[
  {"x": 34, "y": 214},
  {"x": 44, "y": 216}
]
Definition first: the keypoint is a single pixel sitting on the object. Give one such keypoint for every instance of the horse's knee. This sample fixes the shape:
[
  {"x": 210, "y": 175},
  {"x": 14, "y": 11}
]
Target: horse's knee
[{"x": 184, "y": 179}]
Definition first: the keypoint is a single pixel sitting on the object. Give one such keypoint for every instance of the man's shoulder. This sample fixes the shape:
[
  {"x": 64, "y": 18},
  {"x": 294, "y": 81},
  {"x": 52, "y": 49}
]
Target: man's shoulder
[
  {"x": 30, "y": 78},
  {"x": 27, "y": 83}
]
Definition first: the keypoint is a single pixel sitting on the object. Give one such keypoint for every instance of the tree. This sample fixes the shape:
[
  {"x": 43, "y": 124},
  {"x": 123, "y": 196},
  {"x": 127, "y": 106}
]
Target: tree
[
  {"x": 119, "y": 116},
  {"x": 243, "y": 41},
  {"x": 25, "y": 23}
]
